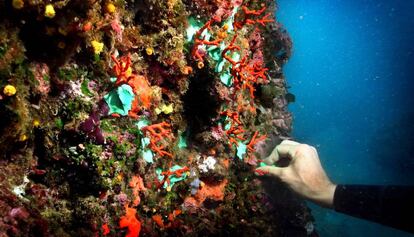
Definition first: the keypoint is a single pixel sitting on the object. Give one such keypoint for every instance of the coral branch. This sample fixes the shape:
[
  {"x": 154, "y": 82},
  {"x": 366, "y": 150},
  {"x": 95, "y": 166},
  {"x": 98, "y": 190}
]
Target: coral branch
[
  {"x": 236, "y": 130},
  {"x": 231, "y": 47},
  {"x": 160, "y": 134},
  {"x": 265, "y": 20},
  {"x": 255, "y": 140},
  {"x": 122, "y": 69},
  {"x": 247, "y": 20},
  {"x": 199, "y": 42},
  {"x": 167, "y": 174}
]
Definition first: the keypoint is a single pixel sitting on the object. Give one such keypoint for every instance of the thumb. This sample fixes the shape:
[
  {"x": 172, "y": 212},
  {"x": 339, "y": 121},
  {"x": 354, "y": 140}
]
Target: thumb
[{"x": 270, "y": 170}]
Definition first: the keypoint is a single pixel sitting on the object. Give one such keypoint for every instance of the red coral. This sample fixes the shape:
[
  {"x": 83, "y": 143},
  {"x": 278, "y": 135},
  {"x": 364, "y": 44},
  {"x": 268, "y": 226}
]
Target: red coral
[
  {"x": 105, "y": 229},
  {"x": 261, "y": 172},
  {"x": 178, "y": 173},
  {"x": 139, "y": 84},
  {"x": 130, "y": 221},
  {"x": 244, "y": 76},
  {"x": 197, "y": 55},
  {"x": 251, "y": 147},
  {"x": 236, "y": 130},
  {"x": 158, "y": 220},
  {"x": 255, "y": 140},
  {"x": 122, "y": 69},
  {"x": 231, "y": 47},
  {"x": 160, "y": 135},
  {"x": 249, "y": 14},
  {"x": 251, "y": 76}
]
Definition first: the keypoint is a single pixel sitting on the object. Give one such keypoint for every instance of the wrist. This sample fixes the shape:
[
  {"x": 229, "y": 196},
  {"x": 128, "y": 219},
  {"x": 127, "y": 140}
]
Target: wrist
[{"x": 325, "y": 197}]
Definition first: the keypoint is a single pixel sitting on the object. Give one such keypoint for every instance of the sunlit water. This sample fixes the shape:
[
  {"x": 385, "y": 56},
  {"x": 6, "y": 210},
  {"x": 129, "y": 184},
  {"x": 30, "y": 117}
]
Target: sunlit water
[{"x": 352, "y": 72}]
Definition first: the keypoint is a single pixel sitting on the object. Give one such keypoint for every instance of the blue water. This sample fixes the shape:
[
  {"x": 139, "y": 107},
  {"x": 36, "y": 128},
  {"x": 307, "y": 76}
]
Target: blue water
[{"x": 352, "y": 72}]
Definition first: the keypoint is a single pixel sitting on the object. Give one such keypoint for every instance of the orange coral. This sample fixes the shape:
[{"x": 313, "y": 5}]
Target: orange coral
[
  {"x": 130, "y": 221},
  {"x": 187, "y": 70},
  {"x": 160, "y": 135},
  {"x": 213, "y": 191},
  {"x": 143, "y": 93},
  {"x": 138, "y": 185}
]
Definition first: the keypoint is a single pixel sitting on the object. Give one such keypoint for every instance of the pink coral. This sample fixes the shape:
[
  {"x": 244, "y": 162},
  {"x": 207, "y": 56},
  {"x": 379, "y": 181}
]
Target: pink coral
[{"x": 41, "y": 75}]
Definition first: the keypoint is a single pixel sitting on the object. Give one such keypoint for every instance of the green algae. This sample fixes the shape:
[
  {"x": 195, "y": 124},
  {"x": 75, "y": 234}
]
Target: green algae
[
  {"x": 241, "y": 150},
  {"x": 182, "y": 142},
  {"x": 120, "y": 100},
  {"x": 146, "y": 153}
]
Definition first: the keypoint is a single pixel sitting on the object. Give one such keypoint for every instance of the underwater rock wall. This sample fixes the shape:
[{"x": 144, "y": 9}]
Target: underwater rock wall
[{"x": 145, "y": 117}]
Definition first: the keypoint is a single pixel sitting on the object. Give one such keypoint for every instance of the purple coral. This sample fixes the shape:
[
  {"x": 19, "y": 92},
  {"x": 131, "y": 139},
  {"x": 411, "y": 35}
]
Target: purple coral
[
  {"x": 195, "y": 185},
  {"x": 91, "y": 125}
]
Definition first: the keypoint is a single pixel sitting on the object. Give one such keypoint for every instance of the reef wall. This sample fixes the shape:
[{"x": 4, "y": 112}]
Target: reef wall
[{"x": 145, "y": 117}]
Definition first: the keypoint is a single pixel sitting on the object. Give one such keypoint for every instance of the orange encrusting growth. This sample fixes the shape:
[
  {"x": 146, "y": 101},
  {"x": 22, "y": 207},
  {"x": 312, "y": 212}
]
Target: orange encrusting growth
[
  {"x": 142, "y": 90},
  {"x": 171, "y": 218},
  {"x": 160, "y": 135},
  {"x": 158, "y": 220},
  {"x": 137, "y": 185},
  {"x": 130, "y": 221},
  {"x": 212, "y": 191}
]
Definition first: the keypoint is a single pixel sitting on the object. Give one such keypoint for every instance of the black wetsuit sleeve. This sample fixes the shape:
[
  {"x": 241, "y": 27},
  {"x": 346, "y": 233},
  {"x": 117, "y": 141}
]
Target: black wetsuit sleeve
[{"x": 388, "y": 205}]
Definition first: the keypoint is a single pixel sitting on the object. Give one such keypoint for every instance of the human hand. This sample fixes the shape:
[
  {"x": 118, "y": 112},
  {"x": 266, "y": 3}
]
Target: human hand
[{"x": 304, "y": 174}]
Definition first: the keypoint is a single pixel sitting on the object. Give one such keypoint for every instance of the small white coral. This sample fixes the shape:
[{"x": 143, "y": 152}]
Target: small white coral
[
  {"x": 19, "y": 190},
  {"x": 208, "y": 164}
]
